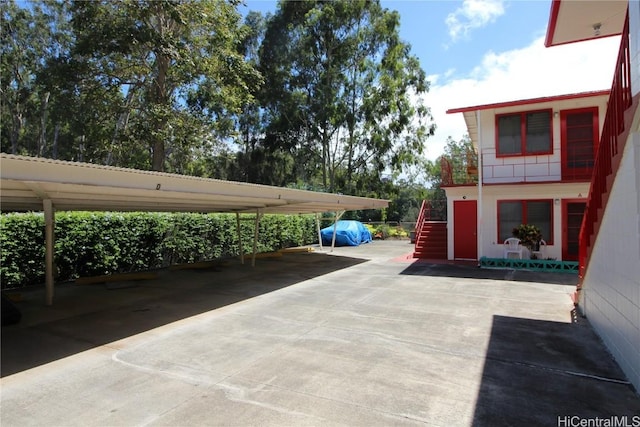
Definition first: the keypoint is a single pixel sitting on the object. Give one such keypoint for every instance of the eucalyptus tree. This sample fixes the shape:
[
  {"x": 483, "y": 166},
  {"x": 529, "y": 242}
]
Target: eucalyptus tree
[
  {"x": 343, "y": 92},
  {"x": 253, "y": 162},
  {"x": 32, "y": 35},
  {"x": 177, "y": 67}
]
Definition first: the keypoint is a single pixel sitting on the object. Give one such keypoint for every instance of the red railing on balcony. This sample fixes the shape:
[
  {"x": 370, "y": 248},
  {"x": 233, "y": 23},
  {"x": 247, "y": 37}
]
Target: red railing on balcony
[
  {"x": 612, "y": 141},
  {"x": 463, "y": 173},
  {"x": 446, "y": 172}
]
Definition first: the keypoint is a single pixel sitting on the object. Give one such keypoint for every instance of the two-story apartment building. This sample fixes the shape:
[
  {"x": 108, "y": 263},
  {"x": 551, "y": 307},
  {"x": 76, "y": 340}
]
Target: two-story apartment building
[
  {"x": 569, "y": 164},
  {"x": 535, "y": 159}
]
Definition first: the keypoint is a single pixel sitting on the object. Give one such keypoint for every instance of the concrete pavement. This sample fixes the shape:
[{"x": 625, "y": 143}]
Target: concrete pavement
[{"x": 361, "y": 337}]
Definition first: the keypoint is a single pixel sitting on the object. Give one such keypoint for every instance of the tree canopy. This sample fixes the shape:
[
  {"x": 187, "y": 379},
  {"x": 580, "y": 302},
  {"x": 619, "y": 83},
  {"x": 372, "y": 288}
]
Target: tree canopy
[{"x": 319, "y": 95}]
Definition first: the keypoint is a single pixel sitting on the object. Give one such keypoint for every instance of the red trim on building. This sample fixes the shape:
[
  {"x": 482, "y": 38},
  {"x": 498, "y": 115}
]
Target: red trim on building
[
  {"x": 530, "y": 101},
  {"x": 472, "y": 185},
  {"x": 584, "y": 40},
  {"x": 490, "y": 184},
  {"x": 553, "y": 20}
]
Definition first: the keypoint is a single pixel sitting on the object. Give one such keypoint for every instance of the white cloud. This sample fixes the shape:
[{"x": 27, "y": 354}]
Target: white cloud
[
  {"x": 473, "y": 14},
  {"x": 531, "y": 72}
]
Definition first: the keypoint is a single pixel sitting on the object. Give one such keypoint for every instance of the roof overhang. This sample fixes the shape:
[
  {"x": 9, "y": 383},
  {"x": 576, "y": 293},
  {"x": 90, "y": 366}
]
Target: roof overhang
[
  {"x": 572, "y": 21},
  {"x": 26, "y": 181}
]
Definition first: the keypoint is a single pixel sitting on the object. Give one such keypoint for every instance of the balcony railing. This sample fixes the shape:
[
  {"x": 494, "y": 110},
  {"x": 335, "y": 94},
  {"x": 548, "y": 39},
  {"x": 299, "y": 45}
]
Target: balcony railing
[
  {"x": 463, "y": 173},
  {"x": 612, "y": 141}
]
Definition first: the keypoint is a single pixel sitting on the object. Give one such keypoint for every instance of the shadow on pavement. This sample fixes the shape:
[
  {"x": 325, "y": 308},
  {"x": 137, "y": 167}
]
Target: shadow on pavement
[
  {"x": 88, "y": 316},
  {"x": 425, "y": 268},
  {"x": 531, "y": 365}
]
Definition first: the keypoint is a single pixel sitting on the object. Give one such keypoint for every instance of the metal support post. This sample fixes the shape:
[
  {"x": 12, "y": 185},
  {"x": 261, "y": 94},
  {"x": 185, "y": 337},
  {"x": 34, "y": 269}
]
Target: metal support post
[
  {"x": 255, "y": 238},
  {"x": 239, "y": 238},
  {"x": 49, "y": 224}
]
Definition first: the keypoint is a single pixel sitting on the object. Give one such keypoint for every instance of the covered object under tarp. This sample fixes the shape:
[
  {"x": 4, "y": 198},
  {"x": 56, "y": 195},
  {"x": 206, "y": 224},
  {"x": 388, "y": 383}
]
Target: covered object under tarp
[{"x": 348, "y": 233}]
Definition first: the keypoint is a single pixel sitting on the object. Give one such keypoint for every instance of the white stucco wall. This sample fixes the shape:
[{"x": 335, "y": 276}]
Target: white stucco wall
[
  {"x": 489, "y": 245},
  {"x": 611, "y": 289},
  {"x": 529, "y": 168}
]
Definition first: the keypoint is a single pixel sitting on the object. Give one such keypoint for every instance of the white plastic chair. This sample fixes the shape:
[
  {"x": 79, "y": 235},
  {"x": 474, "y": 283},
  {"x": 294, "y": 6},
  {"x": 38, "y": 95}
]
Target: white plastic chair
[
  {"x": 540, "y": 253},
  {"x": 512, "y": 246}
]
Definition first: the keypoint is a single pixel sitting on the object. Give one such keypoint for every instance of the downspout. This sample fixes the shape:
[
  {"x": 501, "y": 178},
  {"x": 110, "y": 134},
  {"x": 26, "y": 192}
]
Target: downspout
[{"x": 480, "y": 225}]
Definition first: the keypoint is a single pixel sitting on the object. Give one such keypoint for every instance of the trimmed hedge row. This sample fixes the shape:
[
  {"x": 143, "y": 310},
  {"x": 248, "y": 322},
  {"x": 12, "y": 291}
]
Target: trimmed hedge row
[{"x": 96, "y": 243}]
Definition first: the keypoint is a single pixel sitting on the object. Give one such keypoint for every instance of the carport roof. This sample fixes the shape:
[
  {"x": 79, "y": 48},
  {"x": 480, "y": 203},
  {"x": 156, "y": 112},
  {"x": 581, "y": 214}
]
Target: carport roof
[{"x": 26, "y": 181}]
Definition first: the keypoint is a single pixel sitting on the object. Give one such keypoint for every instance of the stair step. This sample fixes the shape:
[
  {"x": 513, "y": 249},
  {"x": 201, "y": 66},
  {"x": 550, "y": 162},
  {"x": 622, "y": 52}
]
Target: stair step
[
  {"x": 431, "y": 241},
  {"x": 424, "y": 256}
]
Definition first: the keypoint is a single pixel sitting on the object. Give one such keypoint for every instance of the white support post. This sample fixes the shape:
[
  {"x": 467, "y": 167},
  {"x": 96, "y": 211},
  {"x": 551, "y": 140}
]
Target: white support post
[
  {"x": 255, "y": 238},
  {"x": 318, "y": 227},
  {"x": 335, "y": 226},
  {"x": 49, "y": 224},
  {"x": 239, "y": 238}
]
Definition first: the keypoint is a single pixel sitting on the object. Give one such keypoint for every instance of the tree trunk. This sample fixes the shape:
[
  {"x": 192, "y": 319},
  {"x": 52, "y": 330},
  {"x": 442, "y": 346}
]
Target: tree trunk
[
  {"x": 121, "y": 124},
  {"x": 81, "y": 149},
  {"x": 15, "y": 131},
  {"x": 54, "y": 148},
  {"x": 160, "y": 98},
  {"x": 42, "y": 140}
]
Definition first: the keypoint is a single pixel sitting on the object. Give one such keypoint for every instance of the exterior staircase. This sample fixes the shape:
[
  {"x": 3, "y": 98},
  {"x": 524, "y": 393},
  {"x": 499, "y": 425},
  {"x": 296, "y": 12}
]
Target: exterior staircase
[
  {"x": 615, "y": 131},
  {"x": 431, "y": 234},
  {"x": 431, "y": 240}
]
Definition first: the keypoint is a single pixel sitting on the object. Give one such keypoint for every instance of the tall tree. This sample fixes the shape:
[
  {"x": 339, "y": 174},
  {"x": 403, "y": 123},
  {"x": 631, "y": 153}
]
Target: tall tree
[
  {"x": 343, "y": 91},
  {"x": 30, "y": 38},
  {"x": 176, "y": 64}
]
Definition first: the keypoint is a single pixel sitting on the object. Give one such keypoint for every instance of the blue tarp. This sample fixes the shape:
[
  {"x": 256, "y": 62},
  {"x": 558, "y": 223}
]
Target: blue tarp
[{"x": 348, "y": 233}]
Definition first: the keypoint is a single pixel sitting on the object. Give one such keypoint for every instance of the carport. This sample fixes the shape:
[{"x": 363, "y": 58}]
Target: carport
[{"x": 39, "y": 184}]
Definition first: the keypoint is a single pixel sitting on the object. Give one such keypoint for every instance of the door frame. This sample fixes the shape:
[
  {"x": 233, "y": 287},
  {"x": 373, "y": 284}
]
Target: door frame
[
  {"x": 577, "y": 173},
  {"x": 470, "y": 249},
  {"x": 565, "y": 228}
]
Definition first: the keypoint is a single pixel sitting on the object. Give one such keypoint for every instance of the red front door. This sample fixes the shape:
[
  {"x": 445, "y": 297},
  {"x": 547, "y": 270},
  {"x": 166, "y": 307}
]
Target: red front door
[
  {"x": 572, "y": 213},
  {"x": 465, "y": 229}
]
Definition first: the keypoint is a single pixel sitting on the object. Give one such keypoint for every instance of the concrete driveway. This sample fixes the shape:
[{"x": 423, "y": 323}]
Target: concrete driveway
[{"x": 361, "y": 337}]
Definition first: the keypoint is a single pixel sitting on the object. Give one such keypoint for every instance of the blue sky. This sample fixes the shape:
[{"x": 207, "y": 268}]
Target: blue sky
[
  {"x": 452, "y": 36},
  {"x": 483, "y": 51}
]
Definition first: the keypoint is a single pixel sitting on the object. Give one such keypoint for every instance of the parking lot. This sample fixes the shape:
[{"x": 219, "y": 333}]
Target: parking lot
[{"x": 360, "y": 336}]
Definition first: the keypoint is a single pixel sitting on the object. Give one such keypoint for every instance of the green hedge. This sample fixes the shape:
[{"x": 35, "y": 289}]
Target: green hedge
[{"x": 96, "y": 243}]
